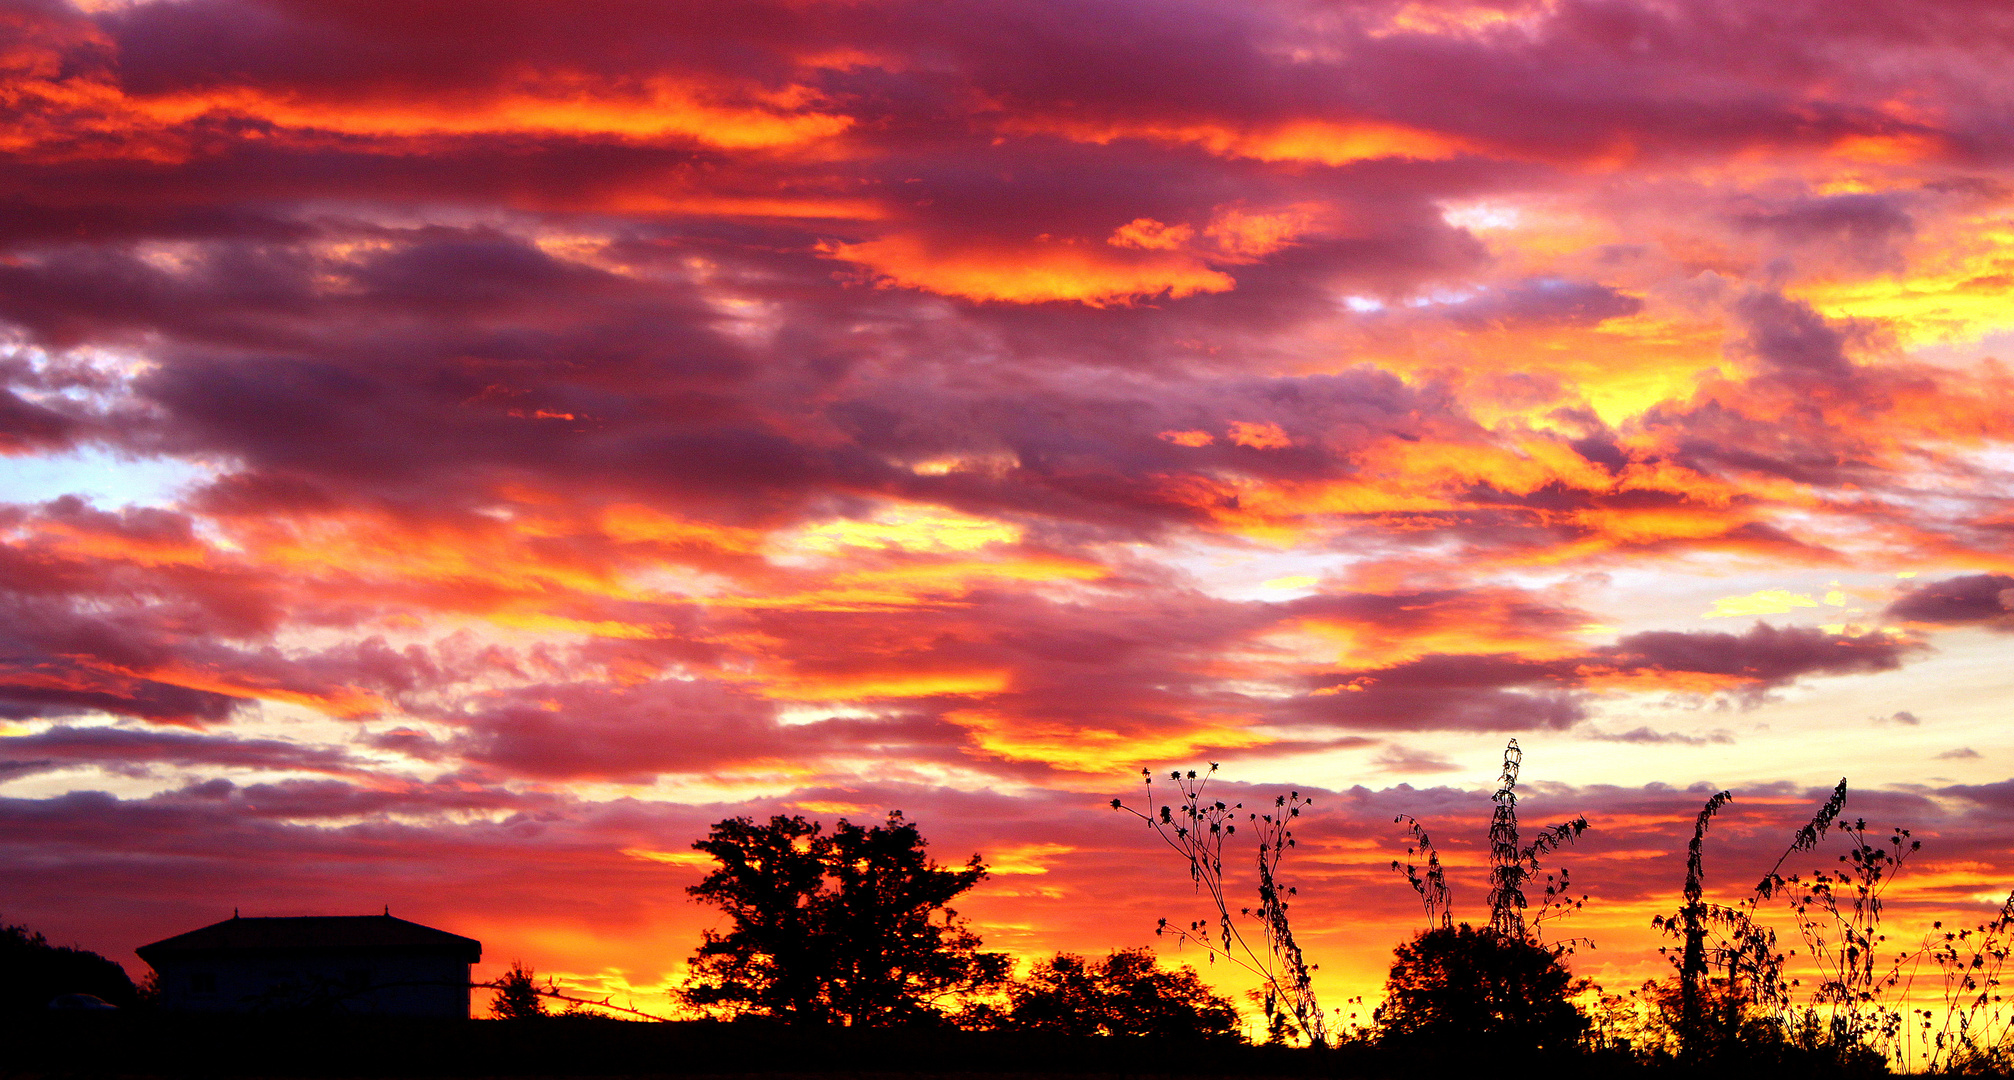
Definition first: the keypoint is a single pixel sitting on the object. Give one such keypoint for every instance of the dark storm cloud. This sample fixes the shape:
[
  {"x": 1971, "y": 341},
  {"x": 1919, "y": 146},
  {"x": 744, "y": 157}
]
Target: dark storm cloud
[
  {"x": 1974, "y": 599},
  {"x": 26, "y": 427},
  {"x": 449, "y": 358},
  {"x": 1792, "y": 338},
  {"x": 1506, "y": 692},
  {"x": 1764, "y": 656},
  {"x": 1865, "y": 229},
  {"x": 1995, "y": 799},
  {"x": 133, "y": 613},
  {"x": 1478, "y": 611}
]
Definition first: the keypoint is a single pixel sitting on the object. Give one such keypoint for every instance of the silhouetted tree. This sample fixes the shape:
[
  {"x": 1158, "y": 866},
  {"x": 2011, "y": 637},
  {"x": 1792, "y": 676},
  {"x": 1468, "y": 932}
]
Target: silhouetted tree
[
  {"x": 518, "y": 996},
  {"x": 768, "y": 880},
  {"x": 1128, "y": 993},
  {"x": 1480, "y": 989},
  {"x": 32, "y": 971},
  {"x": 849, "y": 928}
]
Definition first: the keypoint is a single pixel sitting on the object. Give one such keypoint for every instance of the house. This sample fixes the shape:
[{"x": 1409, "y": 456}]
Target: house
[{"x": 374, "y": 964}]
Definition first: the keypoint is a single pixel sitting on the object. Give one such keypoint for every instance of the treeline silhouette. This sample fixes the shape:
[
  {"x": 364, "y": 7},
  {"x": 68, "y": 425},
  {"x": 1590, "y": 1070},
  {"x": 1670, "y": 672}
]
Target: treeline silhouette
[
  {"x": 33, "y": 973},
  {"x": 839, "y": 950}
]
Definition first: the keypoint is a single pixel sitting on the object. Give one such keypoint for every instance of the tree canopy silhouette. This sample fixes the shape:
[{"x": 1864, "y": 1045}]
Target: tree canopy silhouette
[
  {"x": 851, "y": 927},
  {"x": 1127, "y": 993},
  {"x": 517, "y": 996},
  {"x": 32, "y": 972},
  {"x": 1462, "y": 986}
]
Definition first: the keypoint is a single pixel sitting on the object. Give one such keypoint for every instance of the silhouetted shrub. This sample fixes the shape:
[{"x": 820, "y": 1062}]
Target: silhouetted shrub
[
  {"x": 518, "y": 996},
  {"x": 32, "y": 971},
  {"x": 1128, "y": 993},
  {"x": 1459, "y": 986}
]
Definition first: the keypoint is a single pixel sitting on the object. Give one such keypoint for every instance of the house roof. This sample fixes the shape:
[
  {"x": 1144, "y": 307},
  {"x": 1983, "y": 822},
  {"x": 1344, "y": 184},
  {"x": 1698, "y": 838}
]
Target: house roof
[{"x": 320, "y": 932}]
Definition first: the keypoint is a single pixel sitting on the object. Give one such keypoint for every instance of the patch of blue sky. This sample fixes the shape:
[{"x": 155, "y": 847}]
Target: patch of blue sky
[{"x": 106, "y": 479}]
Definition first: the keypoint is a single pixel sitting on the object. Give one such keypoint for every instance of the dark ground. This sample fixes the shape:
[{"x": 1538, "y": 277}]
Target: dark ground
[
  {"x": 141, "y": 1044},
  {"x": 137, "y": 1045}
]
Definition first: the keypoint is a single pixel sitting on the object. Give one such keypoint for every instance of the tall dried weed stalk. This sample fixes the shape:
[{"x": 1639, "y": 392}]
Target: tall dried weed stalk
[
  {"x": 1732, "y": 977},
  {"x": 1514, "y": 866},
  {"x": 1973, "y": 1033},
  {"x": 1838, "y": 914},
  {"x": 1197, "y": 828},
  {"x": 1751, "y": 988}
]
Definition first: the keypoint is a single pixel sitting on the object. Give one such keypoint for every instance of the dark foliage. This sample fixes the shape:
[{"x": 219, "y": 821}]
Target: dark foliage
[
  {"x": 1724, "y": 1030},
  {"x": 1731, "y": 1005},
  {"x": 518, "y": 995},
  {"x": 32, "y": 971},
  {"x": 1128, "y": 993},
  {"x": 848, "y": 928},
  {"x": 1479, "y": 988},
  {"x": 338, "y": 1047}
]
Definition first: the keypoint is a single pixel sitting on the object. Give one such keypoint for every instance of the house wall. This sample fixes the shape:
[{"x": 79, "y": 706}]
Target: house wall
[{"x": 384, "y": 983}]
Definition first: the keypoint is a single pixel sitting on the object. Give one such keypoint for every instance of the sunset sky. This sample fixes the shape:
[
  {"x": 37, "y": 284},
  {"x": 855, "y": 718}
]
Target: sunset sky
[{"x": 454, "y": 452}]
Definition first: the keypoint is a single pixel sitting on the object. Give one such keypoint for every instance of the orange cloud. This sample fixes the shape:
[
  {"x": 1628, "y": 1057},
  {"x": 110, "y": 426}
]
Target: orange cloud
[
  {"x": 1150, "y": 235},
  {"x": 1037, "y": 273},
  {"x": 1259, "y": 436},
  {"x": 1086, "y": 748},
  {"x": 1327, "y": 142}
]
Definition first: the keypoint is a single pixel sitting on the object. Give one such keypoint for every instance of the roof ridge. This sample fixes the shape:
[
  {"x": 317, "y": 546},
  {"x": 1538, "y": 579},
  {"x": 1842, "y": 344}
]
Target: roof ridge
[{"x": 274, "y": 932}]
